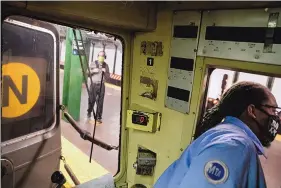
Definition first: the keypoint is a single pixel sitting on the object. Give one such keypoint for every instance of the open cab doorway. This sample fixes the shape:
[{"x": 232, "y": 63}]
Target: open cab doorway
[{"x": 45, "y": 101}]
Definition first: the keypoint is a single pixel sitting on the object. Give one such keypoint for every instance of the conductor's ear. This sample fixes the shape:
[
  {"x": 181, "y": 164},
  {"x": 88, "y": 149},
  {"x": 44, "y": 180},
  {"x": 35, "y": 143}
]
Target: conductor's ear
[{"x": 251, "y": 110}]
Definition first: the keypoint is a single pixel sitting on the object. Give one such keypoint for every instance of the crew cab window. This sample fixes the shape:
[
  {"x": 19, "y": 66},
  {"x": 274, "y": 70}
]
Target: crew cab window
[
  {"x": 219, "y": 81},
  {"x": 276, "y": 90},
  {"x": 243, "y": 76},
  {"x": 222, "y": 79},
  {"x": 216, "y": 82}
]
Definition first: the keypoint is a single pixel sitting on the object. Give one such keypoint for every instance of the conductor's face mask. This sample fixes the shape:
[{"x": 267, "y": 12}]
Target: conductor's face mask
[{"x": 271, "y": 127}]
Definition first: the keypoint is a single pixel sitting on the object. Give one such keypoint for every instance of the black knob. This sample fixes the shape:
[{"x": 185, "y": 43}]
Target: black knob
[
  {"x": 138, "y": 186},
  {"x": 58, "y": 178}
]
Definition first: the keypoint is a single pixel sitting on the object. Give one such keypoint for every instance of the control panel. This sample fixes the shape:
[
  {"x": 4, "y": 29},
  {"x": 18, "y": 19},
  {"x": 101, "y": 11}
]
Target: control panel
[
  {"x": 143, "y": 121},
  {"x": 140, "y": 118}
]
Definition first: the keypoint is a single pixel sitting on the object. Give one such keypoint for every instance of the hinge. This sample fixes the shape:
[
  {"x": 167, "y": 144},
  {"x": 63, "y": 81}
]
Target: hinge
[{"x": 269, "y": 33}]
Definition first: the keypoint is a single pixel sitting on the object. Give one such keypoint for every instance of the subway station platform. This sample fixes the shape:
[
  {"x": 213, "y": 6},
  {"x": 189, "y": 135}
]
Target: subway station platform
[{"x": 102, "y": 160}]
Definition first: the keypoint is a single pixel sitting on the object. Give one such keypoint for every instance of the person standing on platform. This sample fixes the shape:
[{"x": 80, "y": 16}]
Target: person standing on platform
[{"x": 97, "y": 68}]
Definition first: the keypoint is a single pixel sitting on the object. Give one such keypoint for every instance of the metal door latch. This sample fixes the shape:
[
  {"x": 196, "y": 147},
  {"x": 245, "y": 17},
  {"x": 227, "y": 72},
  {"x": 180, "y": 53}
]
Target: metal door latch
[{"x": 146, "y": 161}]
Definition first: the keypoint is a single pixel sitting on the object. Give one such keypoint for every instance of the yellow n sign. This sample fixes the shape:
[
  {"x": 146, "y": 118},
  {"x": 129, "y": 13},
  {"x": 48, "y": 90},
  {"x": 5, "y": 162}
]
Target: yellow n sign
[{"x": 21, "y": 89}]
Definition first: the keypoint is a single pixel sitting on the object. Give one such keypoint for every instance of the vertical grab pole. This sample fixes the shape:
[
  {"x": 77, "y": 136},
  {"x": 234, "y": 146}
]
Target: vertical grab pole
[{"x": 94, "y": 131}]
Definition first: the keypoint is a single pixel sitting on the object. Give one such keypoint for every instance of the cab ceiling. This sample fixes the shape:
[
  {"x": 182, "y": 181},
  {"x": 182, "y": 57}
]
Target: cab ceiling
[
  {"x": 217, "y": 5},
  {"x": 125, "y": 15},
  {"x": 134, "y": 16}
]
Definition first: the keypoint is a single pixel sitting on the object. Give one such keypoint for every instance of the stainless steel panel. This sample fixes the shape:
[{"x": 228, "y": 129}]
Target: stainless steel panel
[
  {"x": 183, "y": 48},
  {"x": 244, "y": 51},
  {"x": 180, "y": 78},
  {"x": 178, "y": 105}
]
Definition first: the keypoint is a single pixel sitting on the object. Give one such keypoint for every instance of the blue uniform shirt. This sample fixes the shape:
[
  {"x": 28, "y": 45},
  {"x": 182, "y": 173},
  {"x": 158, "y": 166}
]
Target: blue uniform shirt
[{"x": 224, "y": 156}]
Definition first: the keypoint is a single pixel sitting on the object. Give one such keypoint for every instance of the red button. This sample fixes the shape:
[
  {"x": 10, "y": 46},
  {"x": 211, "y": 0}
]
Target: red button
[{"x": 141, "y": 119}]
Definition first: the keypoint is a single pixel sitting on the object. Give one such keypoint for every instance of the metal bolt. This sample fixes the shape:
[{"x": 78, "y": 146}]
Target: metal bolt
[
  {"x": 257, "y": 56},
  {"x": 135, "y": 165}
]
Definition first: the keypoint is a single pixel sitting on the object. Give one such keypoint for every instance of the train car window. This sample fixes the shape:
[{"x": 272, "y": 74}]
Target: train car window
[
  {"x": 216, "y": 82},
  {"x": 222, "y": 79},
  {"x": 276, "y": 90},
  {"x": 28, "y": 79},
  {"x": 243, "y": 76}
]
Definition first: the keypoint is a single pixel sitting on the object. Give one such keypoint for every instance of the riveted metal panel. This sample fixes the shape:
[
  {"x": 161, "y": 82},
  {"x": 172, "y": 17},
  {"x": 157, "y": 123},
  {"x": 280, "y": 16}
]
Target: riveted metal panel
[
  {"x": 186, "y": 25},
  {"x": 244, "y": 44},
  {"x": 180, "y": 78},
  {"x": 179, "y": 45}
]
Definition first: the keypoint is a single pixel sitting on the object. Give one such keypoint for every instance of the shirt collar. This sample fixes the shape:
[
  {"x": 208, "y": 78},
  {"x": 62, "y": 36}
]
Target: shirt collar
[{"x": 237, "y": 122}]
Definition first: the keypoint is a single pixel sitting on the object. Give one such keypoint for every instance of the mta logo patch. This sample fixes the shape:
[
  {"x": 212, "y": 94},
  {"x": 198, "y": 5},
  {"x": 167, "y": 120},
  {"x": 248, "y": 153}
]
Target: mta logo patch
[{"x": 216, "y": 172}]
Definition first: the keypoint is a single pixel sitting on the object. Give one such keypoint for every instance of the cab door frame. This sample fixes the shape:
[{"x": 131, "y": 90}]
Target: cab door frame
[{"x": 126, "y": 37}]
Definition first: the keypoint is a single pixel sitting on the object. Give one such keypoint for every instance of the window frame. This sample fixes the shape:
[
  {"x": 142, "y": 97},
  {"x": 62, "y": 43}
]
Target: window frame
[
  {"x": 210, "y": 64},
  {"x": 26, "y": 24},
  {"x": 267, "y": 81}
]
